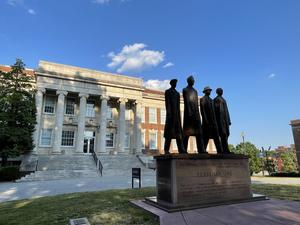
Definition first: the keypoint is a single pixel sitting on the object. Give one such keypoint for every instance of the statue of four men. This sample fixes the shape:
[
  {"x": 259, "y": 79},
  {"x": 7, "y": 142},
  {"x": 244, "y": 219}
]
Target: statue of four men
[{"x": 215, "y": 118}]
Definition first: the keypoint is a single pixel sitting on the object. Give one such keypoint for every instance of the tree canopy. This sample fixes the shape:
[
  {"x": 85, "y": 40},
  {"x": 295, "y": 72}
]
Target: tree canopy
[
  {"x": 17, "y": 111},
  {"x": 249, "y": 149}
]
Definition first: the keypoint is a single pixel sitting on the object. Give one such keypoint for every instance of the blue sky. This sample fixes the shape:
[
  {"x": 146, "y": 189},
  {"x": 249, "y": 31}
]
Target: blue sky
[{"x": 250, "y": 48}]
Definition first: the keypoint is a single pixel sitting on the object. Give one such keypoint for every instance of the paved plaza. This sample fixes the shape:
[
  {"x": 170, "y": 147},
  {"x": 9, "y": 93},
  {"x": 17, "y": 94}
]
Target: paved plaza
[{"x": 267, "y": 212}]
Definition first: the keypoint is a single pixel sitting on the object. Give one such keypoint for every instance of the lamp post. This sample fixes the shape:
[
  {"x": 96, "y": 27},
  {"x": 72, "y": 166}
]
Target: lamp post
[
  {"x": 266, "y": 161},
  {"x": 243, "y": 138}
]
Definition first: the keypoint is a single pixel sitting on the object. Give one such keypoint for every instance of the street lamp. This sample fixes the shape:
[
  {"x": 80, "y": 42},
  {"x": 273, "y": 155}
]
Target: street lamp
[{"x": 266, "y": 161}]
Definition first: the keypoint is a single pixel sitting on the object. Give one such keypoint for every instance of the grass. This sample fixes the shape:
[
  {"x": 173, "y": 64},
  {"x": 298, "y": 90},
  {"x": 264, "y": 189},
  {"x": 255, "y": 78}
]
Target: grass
[
  {"x": 104, "y": 207},
  {"x": 287, "y": 192}
]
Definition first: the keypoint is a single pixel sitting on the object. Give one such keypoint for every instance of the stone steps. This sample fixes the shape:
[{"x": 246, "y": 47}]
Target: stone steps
[
  {"x": 60, "y": 175},
  {"x": 57, "y": 167},
  {"x": 121, "y": 165}
]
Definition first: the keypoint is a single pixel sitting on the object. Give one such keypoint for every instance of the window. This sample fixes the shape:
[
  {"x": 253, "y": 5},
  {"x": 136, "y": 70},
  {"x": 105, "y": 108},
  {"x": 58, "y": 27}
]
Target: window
[
  {"x": 110, "y": 140},
  {"x": 152, "y": 115},
  {"x": 127, "y": 114},
  {"x": 49, "y": 104},
  {"x": 127, "y": 140},
  {"x": 162, "y": 140},
  {"x": 143, "y": 115},
  {"x": 162, "y": 116},
  {"x": 90, "y": 110},
  {"x": 153, "y": 140},
  {"x": 70, "y": 106},
  {"x": 67, "y": 138},
  {"x": 46, "y": 135},
  {"x": 143, "y": 139},
  {"x": 109, "y": 113}
]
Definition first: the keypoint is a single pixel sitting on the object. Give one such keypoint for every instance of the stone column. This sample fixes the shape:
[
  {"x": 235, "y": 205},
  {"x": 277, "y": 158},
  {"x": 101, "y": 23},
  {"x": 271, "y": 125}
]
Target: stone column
[
  {"x": 39, "y": 107},
  {"x": 59, "y": 121},
  {"x": 81, "y": 122},
  {"x": 101, "y": 136},
  {"x": 137, "y": 127},
  {"x": 122, "y": 124}
]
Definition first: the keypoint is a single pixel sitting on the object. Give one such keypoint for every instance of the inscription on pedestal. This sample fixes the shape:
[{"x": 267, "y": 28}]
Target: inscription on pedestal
[{"x": 203, "y": 180}]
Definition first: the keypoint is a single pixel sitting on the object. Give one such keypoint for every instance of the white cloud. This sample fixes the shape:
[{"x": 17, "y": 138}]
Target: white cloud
[
  {"x": 160, "y": 85},
  {"x": 31, "y": 11},
  {"x": 15, "y": 2},
  {"x": 21, "y": 3},
  {"x": 271, "y": 76},
  {"x": 169, "y": 64},
  {"x": 100, "y": 2},
  {"x": 135, "y": 58}
]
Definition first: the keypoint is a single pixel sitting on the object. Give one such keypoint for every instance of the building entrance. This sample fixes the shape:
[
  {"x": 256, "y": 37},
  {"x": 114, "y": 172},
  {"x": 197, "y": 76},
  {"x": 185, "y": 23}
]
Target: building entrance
[{"x": 89, "y": 142}]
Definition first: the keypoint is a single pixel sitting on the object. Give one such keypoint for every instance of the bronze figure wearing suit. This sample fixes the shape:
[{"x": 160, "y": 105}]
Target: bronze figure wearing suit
[
  {"x": 192, "y": 121},
  {"x": 223, "y": 119},
  {"x": 173, "y": 128},
  {"x": 209, "y": 122}
]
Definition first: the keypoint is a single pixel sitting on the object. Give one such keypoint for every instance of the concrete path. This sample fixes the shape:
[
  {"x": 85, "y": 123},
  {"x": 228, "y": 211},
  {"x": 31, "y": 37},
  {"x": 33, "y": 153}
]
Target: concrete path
[
  {"x": 24, "y": 190},
  {"x": 14, "y": 191},
  {"x": 268, "y": 212}
]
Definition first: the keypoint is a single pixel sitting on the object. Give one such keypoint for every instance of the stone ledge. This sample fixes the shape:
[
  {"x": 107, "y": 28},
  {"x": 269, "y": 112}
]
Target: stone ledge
[{"x": 181, "y": 207}]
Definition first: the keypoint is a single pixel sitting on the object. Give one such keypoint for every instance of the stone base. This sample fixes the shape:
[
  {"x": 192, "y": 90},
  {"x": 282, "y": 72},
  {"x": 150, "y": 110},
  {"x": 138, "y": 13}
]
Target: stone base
[
  {"x": 175, "y": 208},
  {"x": 186, "y": 181}
]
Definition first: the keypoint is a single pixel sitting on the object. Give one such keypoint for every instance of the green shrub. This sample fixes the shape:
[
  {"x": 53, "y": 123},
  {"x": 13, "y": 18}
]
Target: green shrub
[
  {"x": 285, "y": 174},
  {"x": 9, "y": 173}
]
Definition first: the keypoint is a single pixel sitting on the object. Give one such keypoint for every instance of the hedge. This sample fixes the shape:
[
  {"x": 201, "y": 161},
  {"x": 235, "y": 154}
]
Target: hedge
[
  {"x": 285, "y": 174},
  {"x": 9, "y": 173}
]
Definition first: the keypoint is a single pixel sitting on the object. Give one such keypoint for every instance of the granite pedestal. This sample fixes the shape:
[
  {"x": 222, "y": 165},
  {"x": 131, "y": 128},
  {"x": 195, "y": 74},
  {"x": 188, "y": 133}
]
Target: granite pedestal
[{"x": 186, "y": 181}]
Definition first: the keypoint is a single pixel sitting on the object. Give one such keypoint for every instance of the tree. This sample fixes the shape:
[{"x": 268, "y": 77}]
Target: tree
[
  {"x": 17, "y": 111},
  {"x": 289, "y": 161},
  {"x": 249, "y": 149}
]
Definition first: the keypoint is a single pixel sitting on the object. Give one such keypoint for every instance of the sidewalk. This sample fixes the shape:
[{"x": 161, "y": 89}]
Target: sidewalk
[{"x": 14, "y": 191}]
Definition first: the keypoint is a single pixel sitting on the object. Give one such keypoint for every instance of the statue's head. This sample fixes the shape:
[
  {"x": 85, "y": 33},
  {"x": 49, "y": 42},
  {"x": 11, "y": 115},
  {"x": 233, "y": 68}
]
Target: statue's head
[
  {"x": 173, "y": 83},
  {"x": 207, "y": 90},
  {"x": 191, "y": 80},
  {"x": 219, "y": 91}
]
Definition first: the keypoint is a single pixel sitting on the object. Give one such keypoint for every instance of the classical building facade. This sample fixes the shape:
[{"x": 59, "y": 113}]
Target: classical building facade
[{"x": 81, "y": 110}]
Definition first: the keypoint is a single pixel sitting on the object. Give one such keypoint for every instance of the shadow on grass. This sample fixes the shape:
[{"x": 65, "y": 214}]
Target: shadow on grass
[{"x": 105, "y": 207}]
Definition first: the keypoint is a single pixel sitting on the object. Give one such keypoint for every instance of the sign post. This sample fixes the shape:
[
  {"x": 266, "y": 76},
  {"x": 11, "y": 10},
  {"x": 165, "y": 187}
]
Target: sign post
[{"x": 136, "y": 174}]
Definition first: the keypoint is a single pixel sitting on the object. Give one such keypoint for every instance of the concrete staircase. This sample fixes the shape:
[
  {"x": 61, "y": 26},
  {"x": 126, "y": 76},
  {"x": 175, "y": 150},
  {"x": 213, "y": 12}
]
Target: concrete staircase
[
  {"x": 57, "y": 167},
  {"x": 121, "y": 165}
]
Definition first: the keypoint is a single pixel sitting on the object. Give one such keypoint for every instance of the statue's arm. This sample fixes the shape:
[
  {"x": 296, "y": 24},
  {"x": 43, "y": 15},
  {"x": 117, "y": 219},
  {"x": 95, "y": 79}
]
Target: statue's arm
[
  {"x": 227, "y": 112},
  {"x": 167, "y": 104}
]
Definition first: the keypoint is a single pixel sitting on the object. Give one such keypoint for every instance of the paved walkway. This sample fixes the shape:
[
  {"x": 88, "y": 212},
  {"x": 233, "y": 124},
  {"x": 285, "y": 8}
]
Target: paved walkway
[
  {"x": 14, "y": 191},
  {"x": 267, "y": 212}
]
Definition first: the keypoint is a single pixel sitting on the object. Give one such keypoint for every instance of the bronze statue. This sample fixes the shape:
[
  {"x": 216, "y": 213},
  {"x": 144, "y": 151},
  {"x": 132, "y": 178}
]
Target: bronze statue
[
  {"x": 209, "y": 121},
  {"x": 173, "y": 128},
  {"x": 223, "y": 119},
  {"x": 192, "y": 121}
]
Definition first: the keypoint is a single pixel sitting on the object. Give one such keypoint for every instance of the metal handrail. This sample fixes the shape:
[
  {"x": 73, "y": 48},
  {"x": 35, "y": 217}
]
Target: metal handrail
[{"x": 98, "y": 162}]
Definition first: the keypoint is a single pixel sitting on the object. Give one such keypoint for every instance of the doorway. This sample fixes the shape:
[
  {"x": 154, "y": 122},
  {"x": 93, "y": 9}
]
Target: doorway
[{"x": 89, "y": 142}]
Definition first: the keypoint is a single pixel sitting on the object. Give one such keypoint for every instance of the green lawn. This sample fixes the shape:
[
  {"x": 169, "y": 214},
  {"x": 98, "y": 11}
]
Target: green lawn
[
  {"x": 288, "y": 192},
  {"x": 104, "y": 207}
]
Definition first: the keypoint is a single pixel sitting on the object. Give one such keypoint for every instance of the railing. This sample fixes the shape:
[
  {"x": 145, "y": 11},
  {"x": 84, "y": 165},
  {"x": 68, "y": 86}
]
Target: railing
[{"x": 98, "y": 162}]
